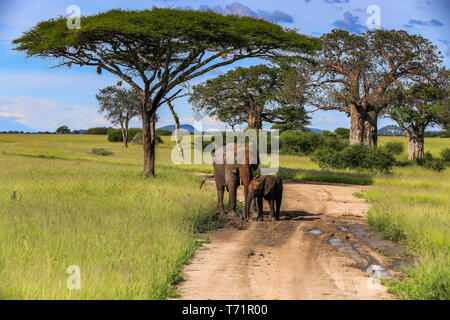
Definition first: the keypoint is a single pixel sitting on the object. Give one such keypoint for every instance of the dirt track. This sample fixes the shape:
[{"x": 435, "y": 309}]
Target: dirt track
[{"x": 283, "y": 260}]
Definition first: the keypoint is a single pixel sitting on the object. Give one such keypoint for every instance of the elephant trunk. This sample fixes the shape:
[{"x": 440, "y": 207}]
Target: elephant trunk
[{"x": 248, "y": 202}]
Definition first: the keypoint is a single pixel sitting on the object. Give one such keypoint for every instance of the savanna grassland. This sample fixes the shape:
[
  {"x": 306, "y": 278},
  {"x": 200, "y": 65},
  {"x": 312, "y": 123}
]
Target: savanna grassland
[{"x": 60, "y": 205}]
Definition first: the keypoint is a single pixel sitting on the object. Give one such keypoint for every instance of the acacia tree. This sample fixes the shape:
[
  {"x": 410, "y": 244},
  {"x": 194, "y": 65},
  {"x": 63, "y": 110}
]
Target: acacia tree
[
  {"x": 120, "y": 105},
  {"x": 63, "y": 130},
  {"x": 247, "y": 95},
  {"x": 352, "y": 73},
  {"x": 415, "y": 109},
  {"x": 155, "y": 51}
]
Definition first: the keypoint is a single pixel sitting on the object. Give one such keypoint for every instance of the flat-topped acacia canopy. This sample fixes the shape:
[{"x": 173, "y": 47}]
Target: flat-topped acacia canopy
[
  {"x": 163, "y": 48},
  {"x": 160, "y": 27}
]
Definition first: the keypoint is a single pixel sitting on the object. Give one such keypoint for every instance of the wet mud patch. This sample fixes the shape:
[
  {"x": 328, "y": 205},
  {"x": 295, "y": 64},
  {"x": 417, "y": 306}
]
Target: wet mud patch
[{"x": 360, "y": 240}]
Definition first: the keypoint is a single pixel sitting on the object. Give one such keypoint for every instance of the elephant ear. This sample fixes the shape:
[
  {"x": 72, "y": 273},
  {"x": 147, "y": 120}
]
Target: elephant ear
[{"x": 269, "y": 185}]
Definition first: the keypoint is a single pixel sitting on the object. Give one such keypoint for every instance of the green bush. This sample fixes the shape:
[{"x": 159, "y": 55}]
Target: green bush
[
  {"x": 395, "y": 147},
  {"x": 342, "y": 133},
  {"x": 357, "y": 157},
  {"x": 429, "y": 162},
  {"x": 137, "y": 139},
  {"x": 296, "y": 142},
  {"x": 98, "y": 130},
  {"x": 101, "y": 152},
  {"x": 445, "y": 154},
  {"x": 115, "y": 135}
]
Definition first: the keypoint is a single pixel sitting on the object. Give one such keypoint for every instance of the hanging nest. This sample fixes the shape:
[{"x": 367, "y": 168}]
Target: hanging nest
[
  {"x": 119, "y": 83},
  {"x": 224, "y": 55},
  {"x": 69, "y": 64},
  {"x": 99, "y": 70}
]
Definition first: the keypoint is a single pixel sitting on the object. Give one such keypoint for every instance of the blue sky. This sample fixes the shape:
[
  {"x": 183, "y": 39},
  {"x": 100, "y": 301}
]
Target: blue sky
[{"x": 34, "y": 95}]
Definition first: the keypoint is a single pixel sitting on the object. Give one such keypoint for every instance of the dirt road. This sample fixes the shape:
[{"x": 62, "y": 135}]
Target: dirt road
[{"x": 318, "y": 250}]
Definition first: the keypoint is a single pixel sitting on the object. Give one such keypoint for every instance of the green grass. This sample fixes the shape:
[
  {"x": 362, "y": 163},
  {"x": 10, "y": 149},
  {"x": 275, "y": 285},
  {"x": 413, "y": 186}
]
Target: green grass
[
  {"x": 129, "y": 235},
  {"x": 61, "y": 205}
]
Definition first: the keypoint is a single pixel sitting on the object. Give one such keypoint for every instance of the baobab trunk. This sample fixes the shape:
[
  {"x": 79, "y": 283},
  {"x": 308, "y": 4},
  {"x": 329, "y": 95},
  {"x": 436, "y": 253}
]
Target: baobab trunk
[
  {"x": 415, "y": 145},
  {"x": 148, "y": 143},
  {"x": 177, "y": 128},
  {"x": 370, "y": 129},
  {"x": 357, "y": 118}
]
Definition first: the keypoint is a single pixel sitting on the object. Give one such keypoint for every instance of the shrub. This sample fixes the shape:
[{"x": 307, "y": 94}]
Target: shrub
[
  {"x": 298, "y": 143},
  {"x": 429, "y": 162},
  {"x": 101, "y": 152},
  {"x": 115, "y": 135},
  {"x": 395, "y": 147},
  {"x": 305, "y": 143},
  {"x": 445, "y": 154},
  {"x": 357, "y": 157},
  {"x": 98, "y": 130},
  {"x": 342, "y": 133},
  {"x": 137, "y": 139}
]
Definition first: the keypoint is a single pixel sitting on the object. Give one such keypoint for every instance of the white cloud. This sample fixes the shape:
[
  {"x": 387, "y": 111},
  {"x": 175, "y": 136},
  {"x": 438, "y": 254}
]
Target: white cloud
[{"x": 45, "y": 114}]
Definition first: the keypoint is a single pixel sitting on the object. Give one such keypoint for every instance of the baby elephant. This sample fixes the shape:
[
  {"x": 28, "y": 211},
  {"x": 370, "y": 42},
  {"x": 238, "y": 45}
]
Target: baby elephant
[{"x": 269, "y": 188}]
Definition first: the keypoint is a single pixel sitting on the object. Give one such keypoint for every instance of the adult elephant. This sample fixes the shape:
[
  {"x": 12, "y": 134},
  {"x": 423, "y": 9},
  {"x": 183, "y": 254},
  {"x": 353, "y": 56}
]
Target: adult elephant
[{"x": 231, "y": 171}]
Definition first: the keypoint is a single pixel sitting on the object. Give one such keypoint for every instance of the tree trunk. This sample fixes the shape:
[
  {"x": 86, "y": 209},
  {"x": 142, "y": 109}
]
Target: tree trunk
[
  {"x": 254, "y": 120},
  {"x": 177, "y": 127},
  {"x": 148, "y": 143},
  {"x": 357, "y": 118},
  {"x": 124, "y": 128},
  {"x": 415, "y": 145},
  {"x": 370, "y": 128}
]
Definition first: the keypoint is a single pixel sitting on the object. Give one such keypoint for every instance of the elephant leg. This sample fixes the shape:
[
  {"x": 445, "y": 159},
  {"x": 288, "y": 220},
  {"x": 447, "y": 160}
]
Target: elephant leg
[
  {"x": 272, "y": 209},
  {"x": 220, "y": 190},
  {"x": 232, "y": 189},
  {"x": 260, "y": 209},
  {"x": 277, "y": 214}
]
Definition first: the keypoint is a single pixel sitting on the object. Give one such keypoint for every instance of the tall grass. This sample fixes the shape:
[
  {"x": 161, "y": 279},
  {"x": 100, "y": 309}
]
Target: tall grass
[
  {"x": 413, "y": 208},
  {"x": 129, "y": 235}
]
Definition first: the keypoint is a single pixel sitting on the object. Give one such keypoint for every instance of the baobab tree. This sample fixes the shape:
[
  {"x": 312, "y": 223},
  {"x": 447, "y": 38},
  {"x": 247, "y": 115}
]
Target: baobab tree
[
  {"x": 157, "y": 50},
  {"x": 415, "y": 109},
  {"x": 352, "y": 73}
]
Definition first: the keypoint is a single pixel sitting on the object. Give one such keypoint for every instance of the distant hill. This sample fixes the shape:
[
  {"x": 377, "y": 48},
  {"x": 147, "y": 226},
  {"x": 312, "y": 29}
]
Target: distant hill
[
  {"x": 390, "y": 130},
  {"x": 10, "y": 124},
  {"x": 315, "y": 130},
  {"x": 187, "y": 127}
]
